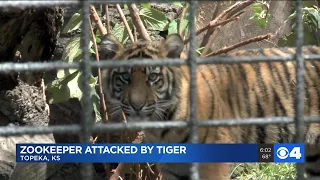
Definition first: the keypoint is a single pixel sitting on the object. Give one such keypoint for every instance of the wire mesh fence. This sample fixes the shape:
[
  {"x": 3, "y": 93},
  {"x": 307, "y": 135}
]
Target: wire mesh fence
[{"x": 86, "y": 128}]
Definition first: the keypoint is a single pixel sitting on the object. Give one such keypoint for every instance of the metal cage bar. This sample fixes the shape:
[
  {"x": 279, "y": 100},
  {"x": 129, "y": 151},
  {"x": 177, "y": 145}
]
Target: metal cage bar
[
  {"x": 86, "y": 126},
  {"x": 194, "y": 168},
  {"x": 85, "y": 67},
  {"x": 299, "y": 101}
]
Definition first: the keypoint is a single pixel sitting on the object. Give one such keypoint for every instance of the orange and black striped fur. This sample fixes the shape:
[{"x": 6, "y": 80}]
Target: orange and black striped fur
[{"x": 224, "y": 91}]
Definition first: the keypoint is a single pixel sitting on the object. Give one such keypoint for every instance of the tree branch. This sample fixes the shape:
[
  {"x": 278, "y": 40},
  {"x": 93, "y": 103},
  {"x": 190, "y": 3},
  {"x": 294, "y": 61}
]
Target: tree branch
[
  {"x": 138, "y": 23},
  {"x": 248, "y": 41},
  {"x": 108, "y": 20},
  {"x": 96, "y": 19},
  {"x": 125, "y": 22},
  {"x": 228, "y": 13},
  {"x": 212, "y": 26},
  {"x": 138, "y": 140}
]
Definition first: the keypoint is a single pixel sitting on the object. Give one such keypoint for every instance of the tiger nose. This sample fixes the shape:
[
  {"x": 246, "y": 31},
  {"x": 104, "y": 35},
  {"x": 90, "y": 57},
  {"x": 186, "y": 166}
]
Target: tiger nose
[
  {"x": 137, "y": 105},
  {"x": 137, "y": 100}
]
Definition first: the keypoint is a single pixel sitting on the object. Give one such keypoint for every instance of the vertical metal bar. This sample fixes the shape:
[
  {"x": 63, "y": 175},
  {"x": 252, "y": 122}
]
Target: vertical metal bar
[
  {"x": 299, "y": 111},
  {"x": 85, "y": 67},
  {"x": 194, "y": 168}
]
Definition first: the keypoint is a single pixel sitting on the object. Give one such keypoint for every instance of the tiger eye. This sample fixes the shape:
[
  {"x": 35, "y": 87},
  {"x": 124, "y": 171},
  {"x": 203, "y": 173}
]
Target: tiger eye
[
  {"x": 153, "y": 77},
  {"x": 125, "y": 76}
]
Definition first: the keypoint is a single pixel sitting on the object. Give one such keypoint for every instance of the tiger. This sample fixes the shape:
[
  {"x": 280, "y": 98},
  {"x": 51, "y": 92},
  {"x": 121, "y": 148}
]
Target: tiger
[{"x": 224, "y": 91}]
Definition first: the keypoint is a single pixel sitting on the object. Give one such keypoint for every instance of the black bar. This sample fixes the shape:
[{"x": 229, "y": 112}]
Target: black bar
[{"x": 265, "y": 153}]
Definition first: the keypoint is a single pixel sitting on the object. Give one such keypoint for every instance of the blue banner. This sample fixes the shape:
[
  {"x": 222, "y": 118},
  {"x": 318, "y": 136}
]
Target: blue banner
[
  {"x": 169, "y": 153},
  {"x": 289, "y": 153},
  {"x": 158, "y": 153}
]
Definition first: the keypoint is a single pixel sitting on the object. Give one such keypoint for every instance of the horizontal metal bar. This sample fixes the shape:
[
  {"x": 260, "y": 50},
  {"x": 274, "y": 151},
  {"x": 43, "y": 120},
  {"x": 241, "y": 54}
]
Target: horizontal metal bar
[
  {"x": 73, "y": 129},
  {"x": 33, "y": 66},
  {"x": 253, "y": 59},
  {"x": 30, "y": 3},
  {"x": 21, "y": 130},
  {"x": 46, "y": 66},
  {"x": 41, "y": 3}
]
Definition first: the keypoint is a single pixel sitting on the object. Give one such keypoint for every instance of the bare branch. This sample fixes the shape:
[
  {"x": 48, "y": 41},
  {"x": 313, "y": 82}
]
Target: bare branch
[
  {"x": 183, "y": 15},
  {"x": 248, "y": 41},
  {"x": 96, "y": 19},
  {"x": 138, "y": 23},
  {"x": 102, "y": 101},
  {"x": 228, "y": 13},
  {"x": 124, "y": 20},
  {"x": 210, "y": 25},
  {"x": 104, "y": 113},
  {"x": 108, "y": 20},
  {"x": 118, "y": 170}
]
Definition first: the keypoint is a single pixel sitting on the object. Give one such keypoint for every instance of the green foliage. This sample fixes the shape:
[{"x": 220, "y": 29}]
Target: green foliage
[
  {"x": 72, "y": 49},
  {"x": 311, "y": 20},
  {"x": 154, "y": 19},
  {"x": 200, "y": 50},
  {"x": 174, "y": 26},
  {"x": 260, "y": 15},
  {"x": 146, "y": 5},
  {"x": 65, "y": 88},
  {"x": 120, "y": 32},
  {"x": 268, "y": 171},
  {"x": 74, "y": 23},
  {"x": 181, "y": 4},
  {"x": 68, "y": 83}
]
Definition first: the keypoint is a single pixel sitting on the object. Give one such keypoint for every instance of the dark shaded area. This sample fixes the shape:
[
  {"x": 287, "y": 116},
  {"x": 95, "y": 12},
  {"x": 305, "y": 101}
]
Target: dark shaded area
[{"x": 26, "y": 35}]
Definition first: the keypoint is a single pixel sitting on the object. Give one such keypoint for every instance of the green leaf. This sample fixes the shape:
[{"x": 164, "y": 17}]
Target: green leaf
[
  {"x": 98, "y": 40},
  {"x": 96, "y": 104},
  {"x": 312, "y": 17},
  {"x": 72, "y": 49},
  {"x": 199, "y": 50},
  {"x": 61, "y": 90},
  {"x": 71, "y": 53},
  {"x": 261, "y": 23},
  {"x": 292, "y": 16},
  {"x": 154, "y": 19},
  {"x": 98, "y": 32},
  {"x": 178, "y": 4},
  {"x": 257, "y": 7},
  {"x": 93, "y": 94},
  {"x": 92, "y": 51},
  {"x": 146, "y": 5},
  {"x": 174, "y": 26},
  {"x": 120, "y": 32},
  {"x": 74, "y": 22},
  {"x": 125, "y": 6}
]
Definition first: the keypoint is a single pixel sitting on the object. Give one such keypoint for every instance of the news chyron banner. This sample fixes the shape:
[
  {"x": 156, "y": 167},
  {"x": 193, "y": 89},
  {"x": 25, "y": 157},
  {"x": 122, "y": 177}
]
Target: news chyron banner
[{"x": 159, "y": 153}]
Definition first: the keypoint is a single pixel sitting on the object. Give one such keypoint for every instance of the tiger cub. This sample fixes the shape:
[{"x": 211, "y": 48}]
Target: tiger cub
[{"x": 224, "y": 91}]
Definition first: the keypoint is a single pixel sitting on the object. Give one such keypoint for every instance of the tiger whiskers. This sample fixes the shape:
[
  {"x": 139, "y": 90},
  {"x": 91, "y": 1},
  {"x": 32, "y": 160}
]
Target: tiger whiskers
[{"x": 160, "y": 115}]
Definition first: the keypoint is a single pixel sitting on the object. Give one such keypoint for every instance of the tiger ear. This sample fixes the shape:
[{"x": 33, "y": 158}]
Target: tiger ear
[
  {"x": 173, "y": 46},
  {"x": 109, "y": 46}
]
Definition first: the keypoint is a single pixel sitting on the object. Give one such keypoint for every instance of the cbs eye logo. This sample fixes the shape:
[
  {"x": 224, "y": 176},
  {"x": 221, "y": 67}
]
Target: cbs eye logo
[{"x": 283, "y": 153}]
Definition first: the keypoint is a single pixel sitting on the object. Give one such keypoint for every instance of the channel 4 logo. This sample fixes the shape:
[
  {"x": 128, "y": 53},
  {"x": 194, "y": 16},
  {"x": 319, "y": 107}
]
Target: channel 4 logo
[{"x": 289, "y": 153}]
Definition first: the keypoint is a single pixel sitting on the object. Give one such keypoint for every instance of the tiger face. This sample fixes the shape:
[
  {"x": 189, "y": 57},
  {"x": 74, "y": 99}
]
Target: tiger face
[{"x": 141, "y": 92}]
